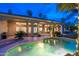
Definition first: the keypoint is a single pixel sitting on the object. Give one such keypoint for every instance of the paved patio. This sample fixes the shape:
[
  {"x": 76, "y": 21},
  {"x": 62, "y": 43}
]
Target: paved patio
[{"x": 5, "y": 45}]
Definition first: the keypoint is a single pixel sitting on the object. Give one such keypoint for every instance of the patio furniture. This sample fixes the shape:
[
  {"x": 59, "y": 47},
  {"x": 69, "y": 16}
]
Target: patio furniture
[{"x": 4, "y": 35}]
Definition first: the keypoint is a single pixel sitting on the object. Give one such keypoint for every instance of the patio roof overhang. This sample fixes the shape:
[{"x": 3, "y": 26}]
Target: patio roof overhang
[{"x": 25, "y": 18}]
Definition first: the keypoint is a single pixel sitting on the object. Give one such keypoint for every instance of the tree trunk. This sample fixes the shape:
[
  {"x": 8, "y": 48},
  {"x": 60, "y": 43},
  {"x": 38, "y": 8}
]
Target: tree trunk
[
  {"x": 52, "y": 30},
  {"x": 77, "y": 41},
  {"x": 77, "y": 45}
]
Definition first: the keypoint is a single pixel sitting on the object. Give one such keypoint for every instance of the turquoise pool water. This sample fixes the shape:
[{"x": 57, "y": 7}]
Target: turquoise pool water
[{"x": 40, "y": 48}]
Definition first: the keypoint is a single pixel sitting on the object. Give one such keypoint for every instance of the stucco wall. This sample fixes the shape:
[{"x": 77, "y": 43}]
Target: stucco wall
[
  {"x": 7, "y": 26},
  {"x": 3, "y": 26},
  {"x": 11, "y": 27}
]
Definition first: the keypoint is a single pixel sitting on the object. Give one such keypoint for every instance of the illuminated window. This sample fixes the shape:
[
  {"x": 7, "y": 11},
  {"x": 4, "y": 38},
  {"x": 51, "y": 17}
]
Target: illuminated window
[
  {"x": 45, "y": 29},
  {"x": 21, "y": 26},
  {"x": 35, "y": 29},
  {"x": 23, "y": 29},
  {"x": 17, "y": 28},
  {"x": 40, "y": 29}
]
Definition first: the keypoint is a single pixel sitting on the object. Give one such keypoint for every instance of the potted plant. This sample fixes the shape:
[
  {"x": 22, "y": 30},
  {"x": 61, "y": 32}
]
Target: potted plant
[{"x": 20, "y": 34}]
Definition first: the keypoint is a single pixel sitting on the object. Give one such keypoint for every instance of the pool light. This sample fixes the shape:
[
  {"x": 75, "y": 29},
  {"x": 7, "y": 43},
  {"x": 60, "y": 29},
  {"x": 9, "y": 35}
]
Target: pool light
[{"x": 19, "y": 49}]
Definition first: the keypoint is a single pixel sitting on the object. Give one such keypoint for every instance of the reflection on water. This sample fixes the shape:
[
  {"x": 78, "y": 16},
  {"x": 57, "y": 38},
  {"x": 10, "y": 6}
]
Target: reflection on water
[{"x": 45, "y": 47}]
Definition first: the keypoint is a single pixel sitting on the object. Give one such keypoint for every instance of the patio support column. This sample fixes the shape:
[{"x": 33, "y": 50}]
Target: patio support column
[
  {"x": 77, "y": 40},
  {"x": 47, "y": 27},
  {"x": 61, "y": 29},
  {"x": 37, "y": 27},
  {"x": 43, "y": 29},
  {"x": 53, "y": 30},
  {"x": 27, "y": 27},
  {"x": 32, "y": 27}
]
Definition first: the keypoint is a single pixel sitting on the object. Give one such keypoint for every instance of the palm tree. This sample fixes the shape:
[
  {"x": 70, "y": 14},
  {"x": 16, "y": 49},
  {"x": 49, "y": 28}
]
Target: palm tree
[
  {"x": 29, "y": 12},
  {"x": 63, "y": 24},
  {"x": 68, "y": 7},
  {"x": 40, "y": 15}
]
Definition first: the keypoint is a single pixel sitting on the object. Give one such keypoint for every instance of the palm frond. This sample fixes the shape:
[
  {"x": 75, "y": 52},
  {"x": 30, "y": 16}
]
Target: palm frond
[{"x": 66, "y": 6}]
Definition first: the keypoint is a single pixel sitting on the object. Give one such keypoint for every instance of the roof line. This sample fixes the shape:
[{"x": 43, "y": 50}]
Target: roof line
[
  {"x": 21, "y": 15},
  {"x": 27, "y": 16}
]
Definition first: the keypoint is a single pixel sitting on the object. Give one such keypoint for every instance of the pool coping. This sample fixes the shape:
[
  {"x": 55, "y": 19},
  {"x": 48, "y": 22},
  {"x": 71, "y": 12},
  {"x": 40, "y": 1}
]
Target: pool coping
[{"x": 5, "y": 49}]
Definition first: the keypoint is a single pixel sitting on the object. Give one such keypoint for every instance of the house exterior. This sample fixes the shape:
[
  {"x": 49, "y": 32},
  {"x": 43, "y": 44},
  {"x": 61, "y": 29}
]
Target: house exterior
[{"x": 12, "y": 23}]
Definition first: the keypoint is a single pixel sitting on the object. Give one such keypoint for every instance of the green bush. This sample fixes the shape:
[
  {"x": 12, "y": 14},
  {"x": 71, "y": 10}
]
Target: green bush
[{"x": 20, "y": 34}]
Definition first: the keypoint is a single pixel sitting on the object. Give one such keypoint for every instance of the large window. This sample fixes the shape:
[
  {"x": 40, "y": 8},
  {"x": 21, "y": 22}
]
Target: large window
[{"x": 21, "y": 26}]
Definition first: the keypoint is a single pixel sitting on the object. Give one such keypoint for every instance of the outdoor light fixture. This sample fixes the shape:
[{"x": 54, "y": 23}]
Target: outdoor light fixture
[
  {"x": 29, "y": 23},
  {"x": 42, "y": 22}
]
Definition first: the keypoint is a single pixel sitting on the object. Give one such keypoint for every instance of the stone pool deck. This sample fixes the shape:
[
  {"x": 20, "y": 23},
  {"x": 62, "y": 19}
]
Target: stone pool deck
[{"x": 6, "y": 45}]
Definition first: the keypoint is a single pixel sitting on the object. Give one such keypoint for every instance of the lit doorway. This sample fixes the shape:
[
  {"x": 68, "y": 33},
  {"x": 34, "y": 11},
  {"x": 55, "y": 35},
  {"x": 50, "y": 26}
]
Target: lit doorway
[{"x": 35, "y": 28}]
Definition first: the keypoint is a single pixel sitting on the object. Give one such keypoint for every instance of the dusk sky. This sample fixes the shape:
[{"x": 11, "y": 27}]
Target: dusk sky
[{"x": 50, "y": 10}]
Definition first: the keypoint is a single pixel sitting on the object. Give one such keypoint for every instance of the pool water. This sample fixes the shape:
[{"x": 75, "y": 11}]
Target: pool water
[{"x": 59, "y": 47}]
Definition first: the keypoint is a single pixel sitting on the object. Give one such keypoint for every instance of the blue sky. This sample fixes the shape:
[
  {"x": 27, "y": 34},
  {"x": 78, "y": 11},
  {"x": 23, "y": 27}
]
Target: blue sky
[{"x": 48, "y": 9}]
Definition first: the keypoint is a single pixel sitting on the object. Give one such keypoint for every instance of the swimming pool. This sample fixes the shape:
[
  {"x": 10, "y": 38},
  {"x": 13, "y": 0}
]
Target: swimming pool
[{"x": 58, "y": 47}]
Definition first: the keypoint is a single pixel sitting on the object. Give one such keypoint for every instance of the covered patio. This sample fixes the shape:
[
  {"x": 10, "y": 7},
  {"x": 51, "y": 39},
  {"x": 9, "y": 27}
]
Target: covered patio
[{"x": 13, "y": 24}]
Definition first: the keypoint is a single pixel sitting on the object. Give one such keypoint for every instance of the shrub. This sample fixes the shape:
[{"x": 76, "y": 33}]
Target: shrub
[{"x": 20, "y": 34}]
